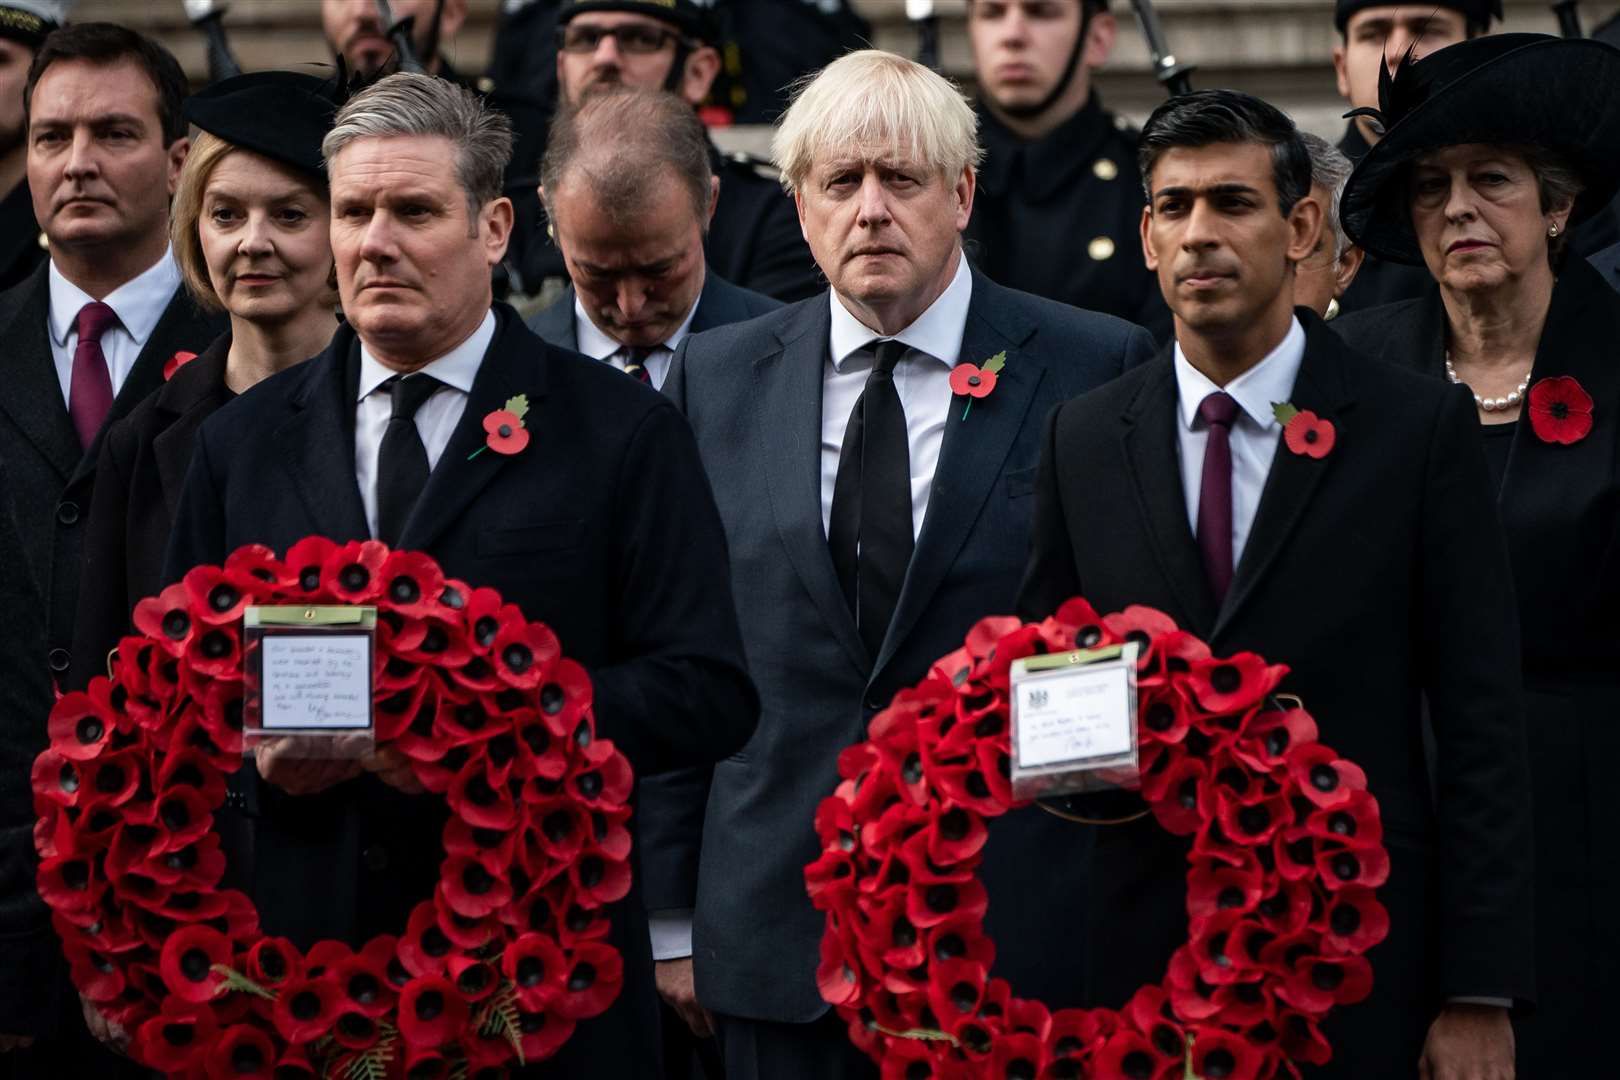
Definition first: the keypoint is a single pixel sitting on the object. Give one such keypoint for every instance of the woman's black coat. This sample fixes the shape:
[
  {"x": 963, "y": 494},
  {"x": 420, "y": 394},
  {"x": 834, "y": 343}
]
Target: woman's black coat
[{"x": 1560, "y": 506}]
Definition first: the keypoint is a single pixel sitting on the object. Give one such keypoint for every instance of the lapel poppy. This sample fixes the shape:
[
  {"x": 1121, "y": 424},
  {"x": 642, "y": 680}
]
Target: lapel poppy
[
  {"x": 174, "y": 363},
  {"x": 975, "y": 381},
  {"x": 1560, "y": 410},
  {"x": 1308, "y": 435}
]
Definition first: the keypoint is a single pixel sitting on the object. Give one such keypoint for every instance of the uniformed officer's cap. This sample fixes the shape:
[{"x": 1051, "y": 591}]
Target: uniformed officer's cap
[
  {"x": 685, "y": 15},
  {"x": 29, "y": 21},
  {"x": 283, "y": 115},
  {"x": 1478, "y": 13}
]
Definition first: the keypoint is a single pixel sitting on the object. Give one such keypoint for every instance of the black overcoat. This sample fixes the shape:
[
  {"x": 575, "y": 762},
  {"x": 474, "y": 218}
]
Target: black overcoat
[
  {"x": 1377, "y": 574},
  {"x": 603, "y": 527},
  {"x": 1560, "y": 507}
]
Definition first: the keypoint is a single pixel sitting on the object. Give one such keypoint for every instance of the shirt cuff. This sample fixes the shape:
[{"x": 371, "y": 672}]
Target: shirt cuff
[
  {"x": 671, "y": 933},
  {"x": 1500, "y": 1003}
]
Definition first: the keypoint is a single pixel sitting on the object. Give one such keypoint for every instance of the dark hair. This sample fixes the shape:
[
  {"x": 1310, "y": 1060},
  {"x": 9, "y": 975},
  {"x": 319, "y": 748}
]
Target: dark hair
[
  {"x": 109, "y": 43},
  {"x": 1206, "y": 117}
]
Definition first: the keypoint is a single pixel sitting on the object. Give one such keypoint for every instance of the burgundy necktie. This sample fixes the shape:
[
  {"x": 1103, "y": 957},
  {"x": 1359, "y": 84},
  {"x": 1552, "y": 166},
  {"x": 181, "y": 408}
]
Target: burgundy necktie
[
  {"x": 1215, "y": 492},
  {"x": 90, "y": 394}
]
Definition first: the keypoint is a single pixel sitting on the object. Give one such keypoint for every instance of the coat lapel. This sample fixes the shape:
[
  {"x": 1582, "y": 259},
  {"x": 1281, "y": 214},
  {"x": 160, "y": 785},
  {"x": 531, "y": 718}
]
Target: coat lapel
[
  {"x": 172, "y": 447},
  {"x": 556, "y": 322},
  {"x": 788, "y": 389},
  {"x": 509, "y": 369},
  {"x": 1294, "y": 478},
  {"x": 317, "y": 441},
  {"x": 1150, "y": 441},
  {"x": 973, "y": 456},
  {"x": 34, "y": 394}
]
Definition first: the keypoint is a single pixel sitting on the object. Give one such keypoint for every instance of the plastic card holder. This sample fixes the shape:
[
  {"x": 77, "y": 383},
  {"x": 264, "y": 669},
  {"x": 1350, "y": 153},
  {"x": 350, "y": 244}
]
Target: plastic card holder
[
  {"x": 1073, "y": 722},
  {"x": 307, "y": 675}
]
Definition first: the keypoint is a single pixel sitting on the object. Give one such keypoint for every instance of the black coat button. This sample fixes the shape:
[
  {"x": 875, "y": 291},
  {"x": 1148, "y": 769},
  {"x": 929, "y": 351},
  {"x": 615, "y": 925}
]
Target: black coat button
[
  {"x": 59, "y": 660},
  {"x": 68, "y": 513},
  {"x": 375, "y": 857},
  {"x": 873, "y": 704}
]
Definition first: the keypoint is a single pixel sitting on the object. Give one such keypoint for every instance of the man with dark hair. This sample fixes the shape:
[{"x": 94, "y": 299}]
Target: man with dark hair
[
  {"x": 1057, "y": 164},
  {"x": 24, "y": 25},
  {"x": 629, "y": 191},
  {"x": 754, "y": 238},
  {"x": 1358, "y": 568}
]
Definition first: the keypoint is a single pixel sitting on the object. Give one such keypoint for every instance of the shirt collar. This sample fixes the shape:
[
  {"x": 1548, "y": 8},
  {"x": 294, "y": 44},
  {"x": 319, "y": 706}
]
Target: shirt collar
[
  {"x": 457, "y": 368},
  {"x": 937, "y": 332},
  {"x": 1268, "y": 383},
  {"x": 598, "y": 346},
  {"x": 139, "y": 302}
]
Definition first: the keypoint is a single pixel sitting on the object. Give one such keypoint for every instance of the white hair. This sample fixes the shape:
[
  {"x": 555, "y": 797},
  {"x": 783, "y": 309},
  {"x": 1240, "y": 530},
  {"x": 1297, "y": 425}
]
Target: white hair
[
  {"x": 1331, "y": 170},
  {"x": 876, "y": 106}
]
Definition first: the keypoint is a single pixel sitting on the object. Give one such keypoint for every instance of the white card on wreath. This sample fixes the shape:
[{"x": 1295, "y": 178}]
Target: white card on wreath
[{"x": 1074, "y": 720}]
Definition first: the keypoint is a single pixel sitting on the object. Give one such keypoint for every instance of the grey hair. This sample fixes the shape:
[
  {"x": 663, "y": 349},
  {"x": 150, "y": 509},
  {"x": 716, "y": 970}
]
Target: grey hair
[
  {"x": 870, "y": 104},
  {"x": 1330, "y": 169},
  {"x": 407, "y": 104},
  {"x": 622, "y": 142}
]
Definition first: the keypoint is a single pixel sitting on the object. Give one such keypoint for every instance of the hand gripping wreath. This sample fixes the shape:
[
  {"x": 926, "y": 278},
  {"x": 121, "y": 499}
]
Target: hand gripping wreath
[
  {"x": 1286, "y": 855},
  {"x": 510, "y": 951}
]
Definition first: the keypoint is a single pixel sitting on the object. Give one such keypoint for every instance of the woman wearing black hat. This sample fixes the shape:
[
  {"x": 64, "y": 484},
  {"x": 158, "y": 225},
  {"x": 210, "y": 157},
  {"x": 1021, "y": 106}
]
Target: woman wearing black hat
[
  {"x": 249, "y": 229},
  {"x": 1493, "y": 150}
]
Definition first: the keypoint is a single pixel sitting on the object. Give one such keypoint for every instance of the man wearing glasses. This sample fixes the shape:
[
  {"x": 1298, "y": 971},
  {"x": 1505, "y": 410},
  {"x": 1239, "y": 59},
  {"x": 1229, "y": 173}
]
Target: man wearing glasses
[{"x": 671, "y": 45}]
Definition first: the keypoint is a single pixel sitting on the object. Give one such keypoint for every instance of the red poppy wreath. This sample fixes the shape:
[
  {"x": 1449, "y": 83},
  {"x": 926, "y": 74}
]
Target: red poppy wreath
[
  {"x": 508, "y": 954},
  {"x": 1286, "y": 854}
]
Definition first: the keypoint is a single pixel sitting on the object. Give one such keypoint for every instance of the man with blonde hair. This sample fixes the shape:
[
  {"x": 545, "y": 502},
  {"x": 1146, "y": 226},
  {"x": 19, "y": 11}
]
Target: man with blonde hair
[{"x": 853, "y": 569}]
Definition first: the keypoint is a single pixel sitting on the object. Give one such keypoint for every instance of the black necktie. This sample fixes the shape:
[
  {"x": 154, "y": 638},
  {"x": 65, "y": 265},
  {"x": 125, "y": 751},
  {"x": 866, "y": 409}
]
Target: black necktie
[
  {"x": 870, "y": 528},
  {"x": 402, "y": 461},
  {"x": 635, "y": 363}
]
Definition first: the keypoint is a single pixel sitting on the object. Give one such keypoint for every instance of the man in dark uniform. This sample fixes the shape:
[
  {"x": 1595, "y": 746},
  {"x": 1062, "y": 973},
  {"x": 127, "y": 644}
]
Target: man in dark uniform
[
  {"x": 1375, "y": 33},
  {"x": 355, "y": 31},
  {"x": 1059, "y": 210},
  {"x": 23, "y": 25},
  {"x": 755, "y": 240}
]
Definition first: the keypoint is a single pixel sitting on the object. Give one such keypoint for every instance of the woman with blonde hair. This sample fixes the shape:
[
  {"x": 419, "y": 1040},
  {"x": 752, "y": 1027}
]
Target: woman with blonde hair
[{"x": 249, "y": 229}]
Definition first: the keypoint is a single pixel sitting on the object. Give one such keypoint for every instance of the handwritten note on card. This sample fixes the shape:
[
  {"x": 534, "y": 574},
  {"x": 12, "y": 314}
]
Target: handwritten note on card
[
  {"x": 317, "y": 681},
  {"x": 1074, "y": 715}
]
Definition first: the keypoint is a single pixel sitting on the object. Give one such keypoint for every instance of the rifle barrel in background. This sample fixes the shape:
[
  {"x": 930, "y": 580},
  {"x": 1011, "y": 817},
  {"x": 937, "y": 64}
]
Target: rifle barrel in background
[
  {"x": 400, "y": 34},
  {"x": 1569, "y": 18},
  {"x": 209, "y": 17},
  {"x": 926, "y": 19},
  {"x": 1173, "y": 75}
]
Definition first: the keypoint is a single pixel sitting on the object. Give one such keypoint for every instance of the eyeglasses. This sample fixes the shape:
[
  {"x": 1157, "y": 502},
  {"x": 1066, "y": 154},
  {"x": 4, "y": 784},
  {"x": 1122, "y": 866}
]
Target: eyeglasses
[{"x": 634, "y": 38}]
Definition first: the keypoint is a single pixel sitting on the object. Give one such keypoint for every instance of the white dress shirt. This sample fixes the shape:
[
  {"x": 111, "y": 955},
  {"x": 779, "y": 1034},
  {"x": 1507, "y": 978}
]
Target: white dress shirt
[
  {"x": 922, "y": 378},
  {"x": 598, "y": 346},
  {"x": 1255, "y": 430},
  {"x": 435, "y": 421},
  {"x": 139, "y": 303}
]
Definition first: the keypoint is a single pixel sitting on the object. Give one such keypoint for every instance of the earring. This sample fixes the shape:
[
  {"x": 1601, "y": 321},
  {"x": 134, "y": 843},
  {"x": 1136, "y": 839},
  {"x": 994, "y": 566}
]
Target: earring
[{"x": 1553, "y": 232}]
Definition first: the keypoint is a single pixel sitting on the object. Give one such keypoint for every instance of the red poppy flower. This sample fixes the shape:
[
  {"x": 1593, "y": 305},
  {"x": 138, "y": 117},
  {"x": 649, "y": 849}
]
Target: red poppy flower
[
  {"x": 430, "y": 1011},
  {"x": 1309, "y": 435},
  {"x": 214, "y": 652},
  {"x": 1316, "y": 984},
  {"x": 603, "y": 779},
  {"x": 424, "y": 949},
  {"x": 969, "y": 380},
  {"x": 1323, "y": 777},
  {"x": 1286, "y": 909},
  {"x": 1560, "y": 410},
  {"x": 216, "y": 596},
  {"x": 82, "y": 722},
  {"x": 1213, "y": 887},
  {"x": 1301, "y": 1040},
  {"x": 363, "y": 980},
  {"x": 412, "y": 584},
  {"x": 1367, "y": 866},
  {"x": 1179, "y": 795},
  {"x": 1128, "y": 1053},
  {"x": 171, "y": 1040},
  {"x": 1354, "y": 823},
  {"x": 506, "y": 433},
  {"x": 257, "y": 567},
  {"x": 1217, "y": 1052},
  {"x": 1235, "y": 683},
  {"x": 478, "y": 801},
  {"x": 565, "y": 697},
  {"x": 1018, "y": 1054},
  {"x": 536, "y": 968},
  {"x": 241, "y": 1051},
  {"x": 599, "y": 878},
  {"x": 94, "y": 972},
  {"x": 541, "y": 1034},
  {"x": 166, "y": 618},
  {"x": 188, "y": 959},
  {"x": 468, "y": 889},
  {"x": 174, "y": 363},
  {"x": 525, "y": 653},
  {"x": 838, "y": 975},
  {"x": 1354, "y": 921},
  {"x": 426, "y": 1063},
  {"x": 306, "y": 1008},
  {"x": 352, "y": 574},
  {"x": 595, "y": 975}
]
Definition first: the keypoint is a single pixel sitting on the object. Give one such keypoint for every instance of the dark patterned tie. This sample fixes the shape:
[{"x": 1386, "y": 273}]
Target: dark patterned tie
[
  {"x": 1215, "y": 492},
  {"x": 402, "y": 460},
  {"x": 870, "y": 524},
  {"x": 635, "y": 363},
  {"x": 90, "y": 393}
]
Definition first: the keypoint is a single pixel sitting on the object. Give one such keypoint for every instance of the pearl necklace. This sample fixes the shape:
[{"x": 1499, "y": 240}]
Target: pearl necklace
[{"x": 1491, "y": 404}]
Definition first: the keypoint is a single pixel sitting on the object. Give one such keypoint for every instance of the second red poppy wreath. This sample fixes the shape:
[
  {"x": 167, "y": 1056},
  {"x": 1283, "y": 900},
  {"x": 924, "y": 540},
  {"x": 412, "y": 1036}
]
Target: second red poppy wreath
[
  {"x": 496, "y": 966},
  {"x": 1287, "y": 853}
]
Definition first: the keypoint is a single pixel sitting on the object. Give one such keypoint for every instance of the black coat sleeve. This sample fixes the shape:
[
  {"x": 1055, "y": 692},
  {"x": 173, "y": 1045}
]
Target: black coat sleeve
[
  {"x": 683, "y": 696},
  {"x": 30, "y": 958},
  {"x": 104, "y": 607},
  {"x": 1050, "y": 578},
  {"x": 1471, "y": 668},
  {"x": 198, "y": 538}
]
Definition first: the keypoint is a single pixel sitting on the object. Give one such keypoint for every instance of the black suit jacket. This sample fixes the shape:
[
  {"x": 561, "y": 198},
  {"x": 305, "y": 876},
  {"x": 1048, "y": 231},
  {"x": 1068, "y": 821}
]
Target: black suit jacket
[
  {"x": 54, "y": 478},
  {"x": 1607, "y": 263},
  {"x": 1378, "y": 574},
  {"x": 1560, "y": 508},
  {"x": 144, "y": 458},
  {"x": 719, "y": 304},
  {"x": 735, "y": 846},
  {"x": 604, "y": 528}
]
